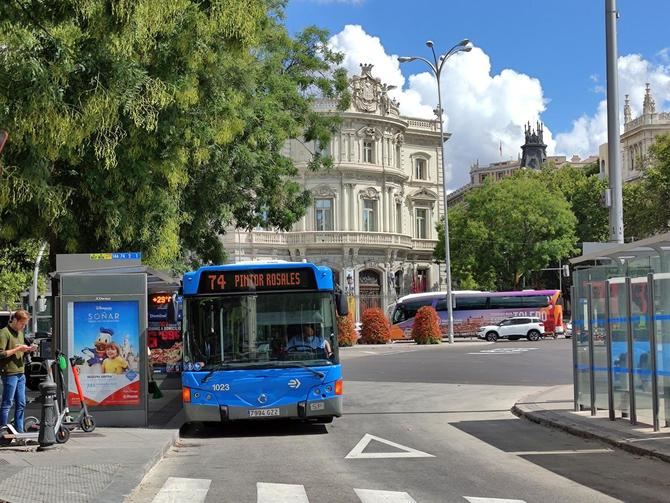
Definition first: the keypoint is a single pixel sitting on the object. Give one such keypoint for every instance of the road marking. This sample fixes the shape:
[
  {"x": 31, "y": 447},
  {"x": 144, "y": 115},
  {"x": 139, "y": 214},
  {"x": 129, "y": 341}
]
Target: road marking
[
  {"x": 280, "y": 493},
  {"x": 177, "y": 489},
  {"x": 502, "y": 351},
  {"x": 408, "y": 452},
  {"x": 491, "y": 500},
  {"x": 373, "y": 496},
  {"x": 576, "y": 451}
]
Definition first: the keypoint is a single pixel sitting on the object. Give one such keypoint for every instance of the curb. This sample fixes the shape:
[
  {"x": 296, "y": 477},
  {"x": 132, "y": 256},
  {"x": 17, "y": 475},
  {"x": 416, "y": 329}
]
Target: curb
[{"x": 542, "y": 419}]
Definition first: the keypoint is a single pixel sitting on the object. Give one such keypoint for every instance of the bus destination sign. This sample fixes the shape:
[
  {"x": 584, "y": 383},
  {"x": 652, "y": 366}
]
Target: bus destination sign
[{"x": 259, "y": 280}]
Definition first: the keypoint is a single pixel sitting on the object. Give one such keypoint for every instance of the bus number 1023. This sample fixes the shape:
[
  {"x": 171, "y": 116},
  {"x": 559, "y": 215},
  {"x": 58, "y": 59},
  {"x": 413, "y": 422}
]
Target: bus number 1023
[{"x": 221, "y": 387}]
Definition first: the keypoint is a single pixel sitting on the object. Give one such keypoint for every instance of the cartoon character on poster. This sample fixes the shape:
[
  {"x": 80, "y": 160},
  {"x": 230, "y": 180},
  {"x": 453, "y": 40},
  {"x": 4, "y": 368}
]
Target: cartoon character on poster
[{"x": 105, "y": 341}]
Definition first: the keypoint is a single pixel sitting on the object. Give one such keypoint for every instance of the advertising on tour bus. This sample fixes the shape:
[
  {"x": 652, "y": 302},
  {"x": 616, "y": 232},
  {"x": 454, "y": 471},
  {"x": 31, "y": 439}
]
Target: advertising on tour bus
[{"x": 472, "y": 310}]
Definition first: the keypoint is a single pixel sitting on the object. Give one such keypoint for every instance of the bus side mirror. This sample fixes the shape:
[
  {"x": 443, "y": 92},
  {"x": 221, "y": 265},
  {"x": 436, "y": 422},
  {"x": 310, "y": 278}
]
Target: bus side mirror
[{"x": 341, "y": 304}]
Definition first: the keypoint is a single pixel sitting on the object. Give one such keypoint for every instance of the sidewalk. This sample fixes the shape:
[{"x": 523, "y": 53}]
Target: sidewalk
[
  {"x": 554, "y": 407},
  {"x": 103, "y": 466}
]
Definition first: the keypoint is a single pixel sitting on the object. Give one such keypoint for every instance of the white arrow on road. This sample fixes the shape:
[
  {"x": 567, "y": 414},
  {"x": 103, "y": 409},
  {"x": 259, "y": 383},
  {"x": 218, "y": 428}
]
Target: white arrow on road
[
  {"x": 408, "y": 452},
  {"x": 294, "y": 383}
]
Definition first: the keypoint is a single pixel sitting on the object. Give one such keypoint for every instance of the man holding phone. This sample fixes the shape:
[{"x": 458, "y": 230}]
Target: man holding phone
[{"x": 12, "y": 349}]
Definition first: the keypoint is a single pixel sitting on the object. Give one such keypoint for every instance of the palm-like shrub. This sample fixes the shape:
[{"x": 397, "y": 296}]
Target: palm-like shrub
[
  {"x": 426, "y": 329},
  {"x": 346, "y": 333},
  {"x": 376, "y": 328}
]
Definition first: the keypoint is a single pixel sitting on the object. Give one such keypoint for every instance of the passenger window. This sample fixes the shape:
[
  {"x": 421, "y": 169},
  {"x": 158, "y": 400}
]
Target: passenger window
[{"x": 470, "y": 302}]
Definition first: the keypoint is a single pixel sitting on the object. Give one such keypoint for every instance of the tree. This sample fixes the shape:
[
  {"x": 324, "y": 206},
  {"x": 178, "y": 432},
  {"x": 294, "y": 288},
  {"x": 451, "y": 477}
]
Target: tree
[
  {"x": 376, "y": 328},
  {"x": 582, "y": 189},
  {"x": 506, "y": 229},
  {"x": 153, "y": 125},
  {"x": 646, "y": 208}
]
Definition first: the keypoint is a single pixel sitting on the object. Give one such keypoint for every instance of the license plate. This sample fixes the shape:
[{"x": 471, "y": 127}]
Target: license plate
[
  {"x": 263, "y": 412},
  {"x": 317, "y": 406}
]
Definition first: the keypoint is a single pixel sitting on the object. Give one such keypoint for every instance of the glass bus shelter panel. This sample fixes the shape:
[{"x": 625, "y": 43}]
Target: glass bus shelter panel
[
  {"x": 597, "y": 316},
  {"x": 618, "y": 298},
  {"x": 580, "y": 332},
  {"x": 641, "y": 349},
  {"x": 662, "y": 321}
]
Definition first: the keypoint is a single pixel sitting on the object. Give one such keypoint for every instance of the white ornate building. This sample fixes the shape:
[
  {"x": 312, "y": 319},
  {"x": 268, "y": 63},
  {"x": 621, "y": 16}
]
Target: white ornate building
[
  {"x": 374, "y": 214},
  {"x": 638, "y": 135}
]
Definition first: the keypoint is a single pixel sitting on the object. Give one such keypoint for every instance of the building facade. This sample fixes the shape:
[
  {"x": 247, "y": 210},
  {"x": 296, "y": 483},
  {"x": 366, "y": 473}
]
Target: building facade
[
  {"x": 374, "y": 214},
  {"x": 534, "y": 154},
  {"x": 638, "y": 135}
]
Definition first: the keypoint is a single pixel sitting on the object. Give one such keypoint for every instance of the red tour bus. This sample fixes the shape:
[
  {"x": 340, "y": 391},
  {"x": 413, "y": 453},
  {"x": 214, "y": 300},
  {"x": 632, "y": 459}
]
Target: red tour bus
[{"x": 475, "y": 309}]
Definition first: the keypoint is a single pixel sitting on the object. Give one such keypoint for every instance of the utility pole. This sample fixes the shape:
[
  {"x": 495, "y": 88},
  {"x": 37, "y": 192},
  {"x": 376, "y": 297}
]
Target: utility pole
[{"x": 615, "y": 191}]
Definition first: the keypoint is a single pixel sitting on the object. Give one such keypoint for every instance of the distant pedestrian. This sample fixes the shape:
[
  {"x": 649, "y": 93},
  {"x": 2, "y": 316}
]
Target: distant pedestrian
[{"x": 12, "y": 349}]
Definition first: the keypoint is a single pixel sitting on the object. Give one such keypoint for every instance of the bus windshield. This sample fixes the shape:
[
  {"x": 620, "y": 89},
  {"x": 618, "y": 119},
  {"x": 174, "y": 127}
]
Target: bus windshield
[{"x": 267, "y": 330}]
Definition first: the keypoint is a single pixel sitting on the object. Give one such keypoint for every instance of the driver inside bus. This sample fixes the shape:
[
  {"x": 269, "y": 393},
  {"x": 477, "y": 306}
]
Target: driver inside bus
[{"x": 309, "y": 339}]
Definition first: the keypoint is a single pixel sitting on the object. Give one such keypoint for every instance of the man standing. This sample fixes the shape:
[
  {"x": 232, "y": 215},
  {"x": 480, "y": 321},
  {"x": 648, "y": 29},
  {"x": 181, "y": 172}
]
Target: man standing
[{"x": 12, "y": 349}]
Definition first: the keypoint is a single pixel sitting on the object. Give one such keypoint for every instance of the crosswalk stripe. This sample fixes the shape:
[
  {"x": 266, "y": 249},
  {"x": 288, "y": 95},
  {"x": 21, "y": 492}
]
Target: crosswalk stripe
[
  {"x": 177, "y": 489},
  {"x": 373, "y": 496},
  {"x": 491, "y": 500},
  {"x": 281, "y": 493}
]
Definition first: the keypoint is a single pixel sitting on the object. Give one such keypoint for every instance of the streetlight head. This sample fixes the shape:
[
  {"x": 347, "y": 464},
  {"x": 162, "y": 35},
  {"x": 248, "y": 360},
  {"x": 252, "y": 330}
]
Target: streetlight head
[
  {"x": 429, "y": 43},
  {"x": 405, "y": 59},
  {"x": 464, "y": 42}
]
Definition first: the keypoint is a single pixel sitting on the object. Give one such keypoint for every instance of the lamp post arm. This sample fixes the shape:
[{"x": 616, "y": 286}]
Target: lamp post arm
[{"x": 433, "y": 67}]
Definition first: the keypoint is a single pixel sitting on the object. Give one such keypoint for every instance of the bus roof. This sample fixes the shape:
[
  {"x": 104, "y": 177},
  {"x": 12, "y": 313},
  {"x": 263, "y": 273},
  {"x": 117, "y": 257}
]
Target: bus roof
[{"x": 323, "y": 275}]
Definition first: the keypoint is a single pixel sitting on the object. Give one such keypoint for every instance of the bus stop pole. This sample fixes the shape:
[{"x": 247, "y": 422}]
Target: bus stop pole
[
  {"x": 651, "y": 326},
  {"x": 630, "y": 358},
  {"x": 592, "y": 377},
  {"x": 608, "y": 345}
]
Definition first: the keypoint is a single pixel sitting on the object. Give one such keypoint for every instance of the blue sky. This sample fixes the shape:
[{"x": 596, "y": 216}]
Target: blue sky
[{"x": 535, "y": 60}]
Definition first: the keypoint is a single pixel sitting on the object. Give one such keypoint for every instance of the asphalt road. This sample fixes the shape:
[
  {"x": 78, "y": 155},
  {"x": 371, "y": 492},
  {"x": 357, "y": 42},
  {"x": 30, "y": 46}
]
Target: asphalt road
[{"x": 421, "y": 424}]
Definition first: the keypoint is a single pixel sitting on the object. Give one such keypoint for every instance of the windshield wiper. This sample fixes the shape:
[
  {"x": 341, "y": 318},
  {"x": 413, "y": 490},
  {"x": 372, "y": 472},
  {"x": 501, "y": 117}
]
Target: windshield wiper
[{"x": 320, "y": 375}]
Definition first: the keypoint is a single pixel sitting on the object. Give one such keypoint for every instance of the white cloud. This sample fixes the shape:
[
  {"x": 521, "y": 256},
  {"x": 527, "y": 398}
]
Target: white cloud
[
  {"x": 589, "y": 132},
  {"x": 482, "y": 110}
]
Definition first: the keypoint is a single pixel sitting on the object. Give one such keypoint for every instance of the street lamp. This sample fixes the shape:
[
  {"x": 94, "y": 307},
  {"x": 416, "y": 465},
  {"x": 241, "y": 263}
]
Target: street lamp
[{"x": 436, "y": 67}]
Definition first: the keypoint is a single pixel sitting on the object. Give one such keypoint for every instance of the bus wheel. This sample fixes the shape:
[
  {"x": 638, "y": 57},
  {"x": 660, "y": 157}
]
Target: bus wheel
[
  {"x": 533, "y": 335},
  {"x": 491, "y": 337}
]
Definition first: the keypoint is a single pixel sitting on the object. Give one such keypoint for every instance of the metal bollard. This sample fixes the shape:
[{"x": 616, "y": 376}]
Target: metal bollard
[{"x": 49, "y": 416}]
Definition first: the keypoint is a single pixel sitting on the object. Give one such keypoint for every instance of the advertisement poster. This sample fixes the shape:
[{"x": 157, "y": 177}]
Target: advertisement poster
[
  {"x": 164, "y": 333},
  {"x": 105, "y": 340}
]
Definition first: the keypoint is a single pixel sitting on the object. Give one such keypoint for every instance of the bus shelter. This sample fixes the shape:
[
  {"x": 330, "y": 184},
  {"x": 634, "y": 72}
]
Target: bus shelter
[
  {"x": 101, "y": 320},
  {"x": 621, "y": 331}
]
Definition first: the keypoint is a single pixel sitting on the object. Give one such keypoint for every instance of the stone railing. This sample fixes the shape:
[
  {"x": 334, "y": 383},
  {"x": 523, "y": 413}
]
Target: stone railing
[
  {"x": 424, "y": 244},
  {"x": 432, "y": 125},
  {"x": 316, "y": 238},
  {"x": 325, "y": 105}
]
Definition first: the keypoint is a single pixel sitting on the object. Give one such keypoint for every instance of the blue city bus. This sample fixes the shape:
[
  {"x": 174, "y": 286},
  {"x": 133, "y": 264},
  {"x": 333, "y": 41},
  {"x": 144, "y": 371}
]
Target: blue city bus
[{"x": 260, "y": 342}]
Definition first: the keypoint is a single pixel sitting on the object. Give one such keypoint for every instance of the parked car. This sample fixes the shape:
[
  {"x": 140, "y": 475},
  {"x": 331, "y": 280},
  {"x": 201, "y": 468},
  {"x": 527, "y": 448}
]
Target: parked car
[
  {"x": 513, "y": 329},
  {"x": 567, "y": 332}
]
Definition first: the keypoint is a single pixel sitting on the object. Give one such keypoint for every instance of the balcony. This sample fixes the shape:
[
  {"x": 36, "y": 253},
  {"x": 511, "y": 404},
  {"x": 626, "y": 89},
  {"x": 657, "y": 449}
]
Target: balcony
[{"x": 330, "y": 238}]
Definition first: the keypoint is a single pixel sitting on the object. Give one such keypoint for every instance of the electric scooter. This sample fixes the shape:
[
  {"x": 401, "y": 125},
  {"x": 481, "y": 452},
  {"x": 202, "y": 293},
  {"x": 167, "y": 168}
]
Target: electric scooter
[
  {"x": 83, "y": 420},
  {"x": 31, "y": 426}
]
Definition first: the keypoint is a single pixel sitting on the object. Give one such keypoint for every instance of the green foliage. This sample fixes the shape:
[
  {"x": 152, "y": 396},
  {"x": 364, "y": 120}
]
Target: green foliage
[
  {"x": 506, "y": 229},
  {"x": 346, "y": 332},
  {"x": 426, "y": 327},
  {"x": 152, "y": 125},
  {"x": 582, "y": 189},
  {"x": 376, "y": 328},
  {"x": 17, "y": 262}
]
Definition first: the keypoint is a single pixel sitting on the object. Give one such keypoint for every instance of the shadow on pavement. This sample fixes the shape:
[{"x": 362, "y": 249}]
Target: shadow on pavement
[
  {"x": 618, "y": 474},
  {"x": 274, "y": 428}
]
